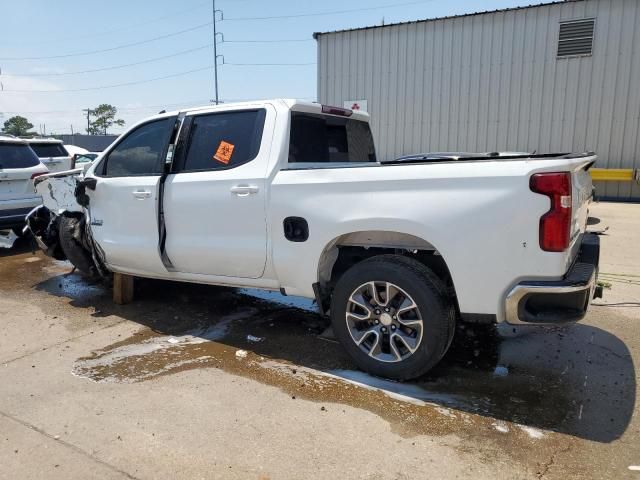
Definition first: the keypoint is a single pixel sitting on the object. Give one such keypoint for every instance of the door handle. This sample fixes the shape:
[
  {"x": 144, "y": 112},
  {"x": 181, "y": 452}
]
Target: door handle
[
  {"x": 244, "y": 190},
  {"x": 141, "y": 194}
]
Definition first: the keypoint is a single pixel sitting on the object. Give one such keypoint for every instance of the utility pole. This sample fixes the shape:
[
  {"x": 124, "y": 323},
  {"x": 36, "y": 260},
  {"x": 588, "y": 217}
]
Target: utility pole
[
  {"x": 215, "y": 50},
  {"x": 88, "y": 110}
]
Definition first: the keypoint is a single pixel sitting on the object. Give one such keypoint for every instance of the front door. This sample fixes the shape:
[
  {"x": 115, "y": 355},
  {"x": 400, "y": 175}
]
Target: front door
[
  {"x": 123, "y": 207},
  {"x": 214, "y": 205}
]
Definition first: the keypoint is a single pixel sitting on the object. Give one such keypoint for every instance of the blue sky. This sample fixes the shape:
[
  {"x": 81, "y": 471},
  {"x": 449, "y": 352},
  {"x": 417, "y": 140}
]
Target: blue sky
[{"x": 65, "y": 28}]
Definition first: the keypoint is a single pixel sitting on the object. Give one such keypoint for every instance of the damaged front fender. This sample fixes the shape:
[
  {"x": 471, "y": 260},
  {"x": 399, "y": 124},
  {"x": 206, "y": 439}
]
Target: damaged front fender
[
  {"x": 59, "y": 225},
  {"x": 58, "y": 191}
]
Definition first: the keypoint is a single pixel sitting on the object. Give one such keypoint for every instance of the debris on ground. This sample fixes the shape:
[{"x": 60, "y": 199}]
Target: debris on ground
[
  {"x": 7, "y": 239},
  {"x": 501, "y": 426}
]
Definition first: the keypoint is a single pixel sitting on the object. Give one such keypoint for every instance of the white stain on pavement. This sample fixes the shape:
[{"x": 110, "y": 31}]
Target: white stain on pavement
[
  {"x": 531, "y": 431},
  {"x": 501, "y": 426},
  {"x": 139, "y": 353}
]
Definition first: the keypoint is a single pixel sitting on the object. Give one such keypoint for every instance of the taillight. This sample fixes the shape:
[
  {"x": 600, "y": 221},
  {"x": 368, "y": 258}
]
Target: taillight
[
  {"x": 555, "y": 225},
  {"x": 343, "y": 112}
]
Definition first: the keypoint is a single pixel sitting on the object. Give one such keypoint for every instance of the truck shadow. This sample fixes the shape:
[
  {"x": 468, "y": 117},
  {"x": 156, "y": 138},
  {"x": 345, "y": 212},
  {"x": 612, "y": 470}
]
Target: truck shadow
[{"x": 577, "y": 380}]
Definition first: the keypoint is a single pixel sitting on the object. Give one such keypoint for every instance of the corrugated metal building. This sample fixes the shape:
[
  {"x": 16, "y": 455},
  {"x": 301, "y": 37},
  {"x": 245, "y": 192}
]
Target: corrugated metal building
[{"x": 561, "y": 76}]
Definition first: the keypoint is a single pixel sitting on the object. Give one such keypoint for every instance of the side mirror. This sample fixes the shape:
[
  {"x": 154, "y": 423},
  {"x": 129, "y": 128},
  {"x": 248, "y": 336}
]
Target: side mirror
[
  {"x": 81, "y": 190},
  {"x": 88, "y": 182}
]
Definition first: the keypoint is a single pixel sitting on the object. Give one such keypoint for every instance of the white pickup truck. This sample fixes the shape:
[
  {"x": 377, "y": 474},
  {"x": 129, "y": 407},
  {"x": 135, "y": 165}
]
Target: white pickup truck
[{"x": 288, "y": 195}]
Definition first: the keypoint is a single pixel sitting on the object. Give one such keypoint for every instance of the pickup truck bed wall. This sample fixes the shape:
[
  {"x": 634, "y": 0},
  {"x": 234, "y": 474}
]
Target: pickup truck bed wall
[{"x": 480, "y": 217}]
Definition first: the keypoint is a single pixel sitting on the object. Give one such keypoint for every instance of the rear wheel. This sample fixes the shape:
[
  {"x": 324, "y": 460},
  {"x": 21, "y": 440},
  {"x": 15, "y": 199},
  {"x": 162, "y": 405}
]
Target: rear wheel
[{"x": 392, "y": 315}]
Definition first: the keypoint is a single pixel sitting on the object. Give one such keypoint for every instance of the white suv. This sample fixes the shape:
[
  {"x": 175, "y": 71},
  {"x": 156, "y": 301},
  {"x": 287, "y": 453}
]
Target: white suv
[
  {"x": 52, "y": 153},
  {"x": 19, "y": 165}
]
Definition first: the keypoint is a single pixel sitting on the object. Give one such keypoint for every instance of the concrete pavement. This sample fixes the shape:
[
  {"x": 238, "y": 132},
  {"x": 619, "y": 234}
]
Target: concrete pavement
[{"x": 172, "y": 386}]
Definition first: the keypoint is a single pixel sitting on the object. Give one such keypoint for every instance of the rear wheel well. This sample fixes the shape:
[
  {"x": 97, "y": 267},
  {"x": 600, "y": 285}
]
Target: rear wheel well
[{"x": 346, "y": 256}]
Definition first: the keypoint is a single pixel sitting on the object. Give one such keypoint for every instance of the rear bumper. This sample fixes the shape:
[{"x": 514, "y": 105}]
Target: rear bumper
[{"x": 562, "y": 301}]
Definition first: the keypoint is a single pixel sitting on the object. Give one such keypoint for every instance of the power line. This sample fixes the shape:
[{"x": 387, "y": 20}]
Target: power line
[
  {"x": 102, "y": 87},
  {"x": 196, "y": 103},
  {"x": 137, "y": 82},
  {"x": 126, "y": 45},
  {"x": 120, "y": 109},
  {"x": 271, "y": 41},
  {"x": 270, "y": 64},
  {"x": 119, "y": 29},
  {"x": 114, "y": 67},
  {"x": 335, "y": 12}
]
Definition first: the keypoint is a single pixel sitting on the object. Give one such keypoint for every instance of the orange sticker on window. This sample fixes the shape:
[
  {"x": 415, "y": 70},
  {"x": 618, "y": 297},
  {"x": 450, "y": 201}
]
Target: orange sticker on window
[{"x": 224, "y": 152}]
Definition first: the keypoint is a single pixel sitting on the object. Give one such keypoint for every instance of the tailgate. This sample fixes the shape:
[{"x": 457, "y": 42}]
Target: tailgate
[{"x": 581, "y": 195}]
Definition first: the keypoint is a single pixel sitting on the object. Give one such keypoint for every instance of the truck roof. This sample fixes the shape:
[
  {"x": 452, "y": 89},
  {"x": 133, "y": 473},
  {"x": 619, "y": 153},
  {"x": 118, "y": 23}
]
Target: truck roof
[{"x": 290, "y": 103}]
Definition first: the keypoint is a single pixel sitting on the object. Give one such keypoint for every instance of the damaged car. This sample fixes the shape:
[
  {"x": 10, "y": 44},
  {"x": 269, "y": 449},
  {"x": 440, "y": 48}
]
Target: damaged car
[{"x": 289, "y": 195}]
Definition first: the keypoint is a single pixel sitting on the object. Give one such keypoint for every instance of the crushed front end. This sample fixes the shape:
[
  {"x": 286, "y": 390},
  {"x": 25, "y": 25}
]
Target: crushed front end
[{"x": 59, "y": 227}]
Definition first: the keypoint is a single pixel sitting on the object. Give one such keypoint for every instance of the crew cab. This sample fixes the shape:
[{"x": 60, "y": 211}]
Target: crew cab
[
  {"x": 19, "y": 165},
  {"x": 290, "y": 196},
  {"x": 52, "y": 153}
]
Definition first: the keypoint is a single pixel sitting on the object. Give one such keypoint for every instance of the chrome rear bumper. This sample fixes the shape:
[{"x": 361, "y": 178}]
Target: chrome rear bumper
[{"x": 562, "y": 301}]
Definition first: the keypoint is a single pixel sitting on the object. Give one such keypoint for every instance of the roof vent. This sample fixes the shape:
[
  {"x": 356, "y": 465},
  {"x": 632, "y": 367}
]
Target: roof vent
[{"x": 576, "y": 38}]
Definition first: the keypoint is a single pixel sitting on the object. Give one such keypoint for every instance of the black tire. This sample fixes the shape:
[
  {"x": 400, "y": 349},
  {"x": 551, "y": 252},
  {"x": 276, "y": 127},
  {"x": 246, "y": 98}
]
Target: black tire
[
  {"x": 68, "y": 228},
  {"x": 17, "y": 231},
  {"x": 429, "y": 294}
]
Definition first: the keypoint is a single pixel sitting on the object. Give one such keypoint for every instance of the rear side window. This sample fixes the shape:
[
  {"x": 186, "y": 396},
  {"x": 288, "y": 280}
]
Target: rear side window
[
  {"x": 14, "y": 155},
  {"x": 324, "y": 139},
  {"x": 224, "y": 140},
  {"x": 142, "y": 151},
  {"x": 44, "y": 150}
]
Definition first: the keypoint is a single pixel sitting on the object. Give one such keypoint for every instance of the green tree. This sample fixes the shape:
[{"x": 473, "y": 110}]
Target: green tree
[
  {"x": 104, "y": 117},
  {"x": 18, "y": 126}
]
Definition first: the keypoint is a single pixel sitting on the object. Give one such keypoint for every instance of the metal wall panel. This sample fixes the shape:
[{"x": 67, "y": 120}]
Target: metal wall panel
[{"x": 493, "y": 81}]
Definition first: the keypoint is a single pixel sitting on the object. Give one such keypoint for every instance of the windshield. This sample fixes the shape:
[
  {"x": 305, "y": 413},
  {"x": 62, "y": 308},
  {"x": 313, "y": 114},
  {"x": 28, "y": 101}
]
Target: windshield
[
  {"x": 13, "y": 155},
  {"x": 49, "y": 150}
]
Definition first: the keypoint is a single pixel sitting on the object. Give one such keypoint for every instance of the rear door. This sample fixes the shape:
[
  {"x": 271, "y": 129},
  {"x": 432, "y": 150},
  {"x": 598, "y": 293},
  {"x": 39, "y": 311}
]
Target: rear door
[
  {"x": 123, "y": 207},
  {"x": 214, "y": 205}
]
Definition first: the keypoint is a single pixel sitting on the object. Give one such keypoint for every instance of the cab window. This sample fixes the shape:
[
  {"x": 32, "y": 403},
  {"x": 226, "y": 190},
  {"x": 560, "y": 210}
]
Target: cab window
[
  {"x": 141, "y": 152},
  {"x": 327, "y": 139}
]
